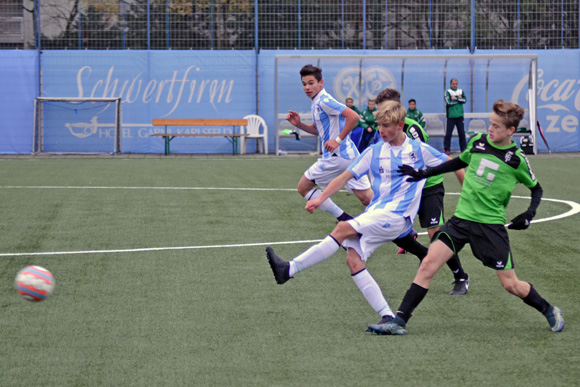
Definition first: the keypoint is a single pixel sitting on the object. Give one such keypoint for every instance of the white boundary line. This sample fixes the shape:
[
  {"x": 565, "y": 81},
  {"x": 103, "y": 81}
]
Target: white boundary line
[
  {"x": 145, "y": 188},
  {"x": 574, "y": 209}
]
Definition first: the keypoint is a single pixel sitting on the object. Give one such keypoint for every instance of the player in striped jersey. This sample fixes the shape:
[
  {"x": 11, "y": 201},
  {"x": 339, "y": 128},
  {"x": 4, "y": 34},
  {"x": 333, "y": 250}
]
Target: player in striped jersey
[
  {"x": 332, "y": 122},
  {"x": 389, "y": 215},
  {"x": 431, "y": 210}
]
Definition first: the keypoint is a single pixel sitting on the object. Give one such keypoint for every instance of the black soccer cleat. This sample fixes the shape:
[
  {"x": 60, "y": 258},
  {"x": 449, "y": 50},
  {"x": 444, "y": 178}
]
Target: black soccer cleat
[
  {"x": 460, "y": 287},
  {"x": 280, "y": 268}
]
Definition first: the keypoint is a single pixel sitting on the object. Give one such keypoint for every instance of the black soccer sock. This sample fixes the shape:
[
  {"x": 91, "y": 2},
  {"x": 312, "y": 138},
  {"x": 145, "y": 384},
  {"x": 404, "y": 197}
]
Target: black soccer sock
[
  {"x": 344, "y": 217},
  {"x": 455, "y": 265},
  {"x": 412, "y": 299},
  {"x": 536, "y": 301},
  {"x": 409, "y": 243}
]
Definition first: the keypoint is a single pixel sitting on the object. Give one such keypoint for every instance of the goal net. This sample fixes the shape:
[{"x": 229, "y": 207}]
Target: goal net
[
  {"x": 77, "y": 125},
  {"x": 425, "y": 78}
]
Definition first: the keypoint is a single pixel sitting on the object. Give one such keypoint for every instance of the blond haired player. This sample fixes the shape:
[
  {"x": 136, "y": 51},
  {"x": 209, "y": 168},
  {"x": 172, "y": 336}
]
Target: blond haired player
[{"x": 389, "y": 215}]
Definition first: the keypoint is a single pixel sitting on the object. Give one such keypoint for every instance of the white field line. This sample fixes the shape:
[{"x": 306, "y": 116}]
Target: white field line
[
  {"x": 145, "y": 188},
  {"x": 574, "y": 209}
]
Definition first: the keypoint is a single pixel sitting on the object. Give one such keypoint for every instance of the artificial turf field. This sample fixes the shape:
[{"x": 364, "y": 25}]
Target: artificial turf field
[{"x": 162, "y": 280}]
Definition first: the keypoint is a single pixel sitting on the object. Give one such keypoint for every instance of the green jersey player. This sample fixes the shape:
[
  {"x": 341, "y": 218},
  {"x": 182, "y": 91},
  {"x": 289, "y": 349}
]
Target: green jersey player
[{"x": 494, "y": 166}]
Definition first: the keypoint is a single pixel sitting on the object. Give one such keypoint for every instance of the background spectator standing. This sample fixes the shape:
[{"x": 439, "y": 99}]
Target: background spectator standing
[
  {"x": 415, "y": 114},
  {"x": 357, "y": 132},
  {"x": 454, "y": 100},
  {"x": 370, "y": 135}
]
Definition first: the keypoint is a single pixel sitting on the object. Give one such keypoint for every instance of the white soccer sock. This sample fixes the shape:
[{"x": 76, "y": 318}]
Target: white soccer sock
[
  {"x": 372, "y": 292},
  {"x": 328, "y": 205},
  {"x": 314, "y": 255}
]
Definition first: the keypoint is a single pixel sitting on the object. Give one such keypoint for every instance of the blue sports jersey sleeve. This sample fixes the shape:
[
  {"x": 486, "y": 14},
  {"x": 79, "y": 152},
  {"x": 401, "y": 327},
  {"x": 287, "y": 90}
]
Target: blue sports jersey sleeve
[
  {"x": 432, "y": 156},
  {"x": 361, "y": 165}
]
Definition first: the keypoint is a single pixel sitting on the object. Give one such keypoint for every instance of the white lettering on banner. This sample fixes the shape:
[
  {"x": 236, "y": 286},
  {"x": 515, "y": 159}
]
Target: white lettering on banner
[
  {"x": 170, "y": 91},
  {"x": 549, "y": 94}
]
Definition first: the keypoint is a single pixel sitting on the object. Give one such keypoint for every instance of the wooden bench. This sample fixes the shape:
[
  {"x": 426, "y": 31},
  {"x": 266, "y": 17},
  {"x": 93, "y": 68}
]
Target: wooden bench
[{"x": 233, "y": 137}]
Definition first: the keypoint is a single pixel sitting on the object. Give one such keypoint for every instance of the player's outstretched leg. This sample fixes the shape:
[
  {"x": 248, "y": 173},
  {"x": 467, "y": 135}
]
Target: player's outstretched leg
[
  {"x": 413, "y": 235},
  {"x": 555, "y": 318},
  {"x": 280, "y": 268}
]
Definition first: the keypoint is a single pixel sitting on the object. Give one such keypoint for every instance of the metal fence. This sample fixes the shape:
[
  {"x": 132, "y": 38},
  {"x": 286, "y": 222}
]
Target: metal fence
[{"x": 289, "y": 24}]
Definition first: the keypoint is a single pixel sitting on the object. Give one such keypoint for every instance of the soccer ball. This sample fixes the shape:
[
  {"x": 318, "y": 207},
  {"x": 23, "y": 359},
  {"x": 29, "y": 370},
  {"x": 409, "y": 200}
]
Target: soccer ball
[{"x": 34, "y": 283}]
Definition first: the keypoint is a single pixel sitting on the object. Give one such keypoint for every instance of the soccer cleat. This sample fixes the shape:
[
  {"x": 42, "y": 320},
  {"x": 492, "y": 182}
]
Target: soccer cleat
[
  {"x": 280, "y": 268},
  {"x": 555, "y": 318},
  {"x": 415, "y": 236},
  {"x": 460, "y": 287},
  {"x": 384, "y": 320},
  {"x": 390, "y": 326}
]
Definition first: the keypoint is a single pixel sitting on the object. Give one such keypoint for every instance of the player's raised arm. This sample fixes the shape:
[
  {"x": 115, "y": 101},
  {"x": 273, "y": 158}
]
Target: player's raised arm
[
  {"x": 332, "y": 188},
  {"x": 460, "y": 173},
  {"x": 418, "y": 174},
  {"x": 294, "y": 118},
  {"x": 351, "y": 120}
]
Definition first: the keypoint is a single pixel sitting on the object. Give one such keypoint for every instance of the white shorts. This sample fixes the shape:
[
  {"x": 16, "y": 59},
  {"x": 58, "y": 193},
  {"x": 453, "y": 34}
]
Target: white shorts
[
  {"x": 323, "y": 171},
  {"x": 376, "y": 228}
]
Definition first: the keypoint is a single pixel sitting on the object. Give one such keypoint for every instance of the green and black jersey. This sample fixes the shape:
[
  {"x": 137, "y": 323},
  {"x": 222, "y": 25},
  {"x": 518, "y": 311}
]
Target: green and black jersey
[
  {"x": 490, "y": 179},
  {"x": 415, "y": 131}
]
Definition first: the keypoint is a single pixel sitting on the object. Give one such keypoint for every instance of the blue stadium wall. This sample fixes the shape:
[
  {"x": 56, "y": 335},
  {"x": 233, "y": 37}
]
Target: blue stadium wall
[{"x": 222, "y": 84}]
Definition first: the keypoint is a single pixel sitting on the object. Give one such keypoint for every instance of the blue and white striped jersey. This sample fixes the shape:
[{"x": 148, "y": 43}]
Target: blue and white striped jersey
[
  {"x": 391, "y": 190},
  {"x": 326, "y": 114}
]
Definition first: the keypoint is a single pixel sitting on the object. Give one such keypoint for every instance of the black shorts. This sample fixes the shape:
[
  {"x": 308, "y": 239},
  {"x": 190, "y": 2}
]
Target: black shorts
[
  {"x": 431, "y": 207},
  {"x": 489, "y": 242}
]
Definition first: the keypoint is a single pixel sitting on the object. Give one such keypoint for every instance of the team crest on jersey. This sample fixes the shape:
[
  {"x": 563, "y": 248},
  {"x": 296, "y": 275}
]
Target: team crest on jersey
[
  {"x": 413, "y": 156},
  {"x": 480, "y": 145},
  {"x": 381, "y": 170},
  {"x": 508, "y": 156}
]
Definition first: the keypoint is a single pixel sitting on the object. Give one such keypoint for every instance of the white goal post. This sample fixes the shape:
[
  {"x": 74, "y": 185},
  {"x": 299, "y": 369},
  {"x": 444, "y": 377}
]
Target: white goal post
[
  {"x": 77, "y": 125},
  {"x": 484, "y": 78}
]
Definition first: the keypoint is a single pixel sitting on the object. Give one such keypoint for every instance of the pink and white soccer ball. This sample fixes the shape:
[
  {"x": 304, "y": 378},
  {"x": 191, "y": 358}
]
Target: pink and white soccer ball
[{"x": 34, "y": 283}]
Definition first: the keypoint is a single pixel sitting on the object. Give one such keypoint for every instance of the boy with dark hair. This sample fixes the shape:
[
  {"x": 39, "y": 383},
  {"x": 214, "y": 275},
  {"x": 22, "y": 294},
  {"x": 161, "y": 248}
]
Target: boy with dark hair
[
  {"x": 414, "y": 113},
  {"x": 332, "y": 122},
  {"x": 370, "y": 134},
  {"x": 357, "y": 132},
  {"x": 494, "y": 166}
]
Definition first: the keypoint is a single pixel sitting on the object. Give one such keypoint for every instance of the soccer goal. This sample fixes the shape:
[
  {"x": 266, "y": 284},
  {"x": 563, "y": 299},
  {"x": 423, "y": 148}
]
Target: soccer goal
[
  {"x": 425, "y": 78},
  {"x": 77, "y": 125}
]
